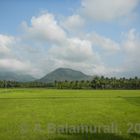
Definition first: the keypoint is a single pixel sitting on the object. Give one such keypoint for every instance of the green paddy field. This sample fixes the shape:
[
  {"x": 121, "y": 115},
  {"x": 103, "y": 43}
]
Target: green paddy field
[{"x": 43, "y": 114}]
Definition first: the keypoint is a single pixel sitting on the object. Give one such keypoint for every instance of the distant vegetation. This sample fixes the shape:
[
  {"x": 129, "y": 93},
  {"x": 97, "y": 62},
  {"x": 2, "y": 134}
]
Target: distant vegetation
[
  {"x": 96, "y": 83},
  {"x": 66, "y": 78}
]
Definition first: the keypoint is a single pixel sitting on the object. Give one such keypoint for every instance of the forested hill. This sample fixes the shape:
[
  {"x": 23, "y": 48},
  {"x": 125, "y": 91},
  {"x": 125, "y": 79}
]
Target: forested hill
[{"x": 62, "y": 74}]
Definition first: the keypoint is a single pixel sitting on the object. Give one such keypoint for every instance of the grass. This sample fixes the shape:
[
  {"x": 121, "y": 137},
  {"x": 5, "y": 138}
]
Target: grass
[{"x": 25, "y": 114}]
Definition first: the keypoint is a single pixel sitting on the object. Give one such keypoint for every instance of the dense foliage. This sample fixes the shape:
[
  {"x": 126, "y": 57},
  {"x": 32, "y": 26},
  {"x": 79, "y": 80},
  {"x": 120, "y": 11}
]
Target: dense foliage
[{"x": 97, "y": 83}]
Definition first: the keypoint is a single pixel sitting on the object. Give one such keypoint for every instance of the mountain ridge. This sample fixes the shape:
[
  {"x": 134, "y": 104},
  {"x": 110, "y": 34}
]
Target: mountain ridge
[{"x": 12, "y": 76}]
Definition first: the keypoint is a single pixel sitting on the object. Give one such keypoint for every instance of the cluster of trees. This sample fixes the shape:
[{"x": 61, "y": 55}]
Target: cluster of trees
[
  {"x": 101, "y": 83},
  {"x": 97, "y": 83},
  {"x": 73, "y": 84},
  {"x": 14, "y": 84}
]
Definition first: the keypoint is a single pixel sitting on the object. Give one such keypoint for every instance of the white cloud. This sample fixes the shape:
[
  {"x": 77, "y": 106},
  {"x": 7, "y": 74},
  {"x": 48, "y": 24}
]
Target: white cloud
[
  {"x": 13, "y": 64},
  {"x": 131, "y": 50},
  {"x": 108, "y": 9},
  {"x": 105, "y": 43},
  {"x": 9, "y": 55},
  {"x": 73, "y": 23},
  {"x": 44, "y": 28},
  {"x": 74, "y": 50},
  {"x": 63, "y": 51},
  {"x": 132, "y": 42},
  {"x": 80, "y": 55},
  {"x": 105, "y": 70},
  {"x": 5, "y": 42}
]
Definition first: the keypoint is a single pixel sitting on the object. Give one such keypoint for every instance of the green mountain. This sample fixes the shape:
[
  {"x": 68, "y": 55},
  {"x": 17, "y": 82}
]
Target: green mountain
[
  {"x": 62, "y": 74},
  {"x": 12, "y": 76}
]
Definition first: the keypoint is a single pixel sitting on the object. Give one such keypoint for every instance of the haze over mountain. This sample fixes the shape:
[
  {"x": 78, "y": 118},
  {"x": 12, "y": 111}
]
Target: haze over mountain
[
  {"x": 12, "y": 76},
  {"x": 62, "y": 74}
]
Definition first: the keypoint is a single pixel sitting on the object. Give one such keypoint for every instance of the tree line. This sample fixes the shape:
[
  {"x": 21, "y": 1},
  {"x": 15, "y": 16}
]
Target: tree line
[{"x": 96, "y": 83}]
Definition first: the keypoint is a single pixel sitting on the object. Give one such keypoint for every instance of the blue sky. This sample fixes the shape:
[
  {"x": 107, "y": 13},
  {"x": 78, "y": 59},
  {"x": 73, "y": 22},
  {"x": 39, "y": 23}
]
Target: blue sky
[
  {"x": 15, "y": 11},
  {"x": 94, "y": 36}
]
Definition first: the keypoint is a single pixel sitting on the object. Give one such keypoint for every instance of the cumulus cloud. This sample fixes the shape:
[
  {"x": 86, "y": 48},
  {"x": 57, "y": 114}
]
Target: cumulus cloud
[
  {"x": 105, "y": 43},
  {"x": 131, "y": 50},
  {"x": 80, "y": 55},
  {"x": 5, "y": 42},
  {"x": 44, "y": 28},
  {"x": 108, "y": 9},
  {"x": 73, "y": 23},
  {"x": 132, "y": 42},
  {"x": 9, "y": 56},
  {"x": 61, "y": 49},
  {"x": 77, "y": 54},
  {"x": 74, "y": 50}
]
